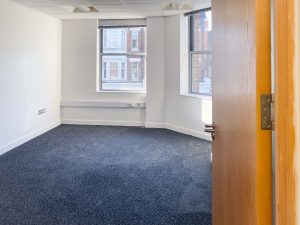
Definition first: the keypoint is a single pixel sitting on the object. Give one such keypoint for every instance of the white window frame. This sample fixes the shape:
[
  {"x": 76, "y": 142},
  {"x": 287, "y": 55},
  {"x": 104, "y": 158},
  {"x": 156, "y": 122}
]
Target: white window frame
[
  {"x": 118, "y": 24},
  {"x": 190, "y": 53}
]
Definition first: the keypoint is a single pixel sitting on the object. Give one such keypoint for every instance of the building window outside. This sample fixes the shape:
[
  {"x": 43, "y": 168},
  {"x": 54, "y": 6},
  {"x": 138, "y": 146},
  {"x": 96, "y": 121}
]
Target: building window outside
[
  {"x": 104, "y": 72},
  {"x": 114, "y": 69},
  {"x": 134, "y": 40},
  {"x": 200, "y": 53},
  {"x": 134, "y": 71},
  {"x": 114, "y": 39},
  {"x": 123, "y": 70},
  {"x": 120, "y": 47}
]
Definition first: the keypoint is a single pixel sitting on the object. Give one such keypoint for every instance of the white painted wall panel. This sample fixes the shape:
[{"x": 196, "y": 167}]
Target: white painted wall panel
[
  {"x": 79, "y": 57},
  {"x": 30, "y": 73},
  {"x": 182, "y": 111},
  {"x": 155, "y": 113}
]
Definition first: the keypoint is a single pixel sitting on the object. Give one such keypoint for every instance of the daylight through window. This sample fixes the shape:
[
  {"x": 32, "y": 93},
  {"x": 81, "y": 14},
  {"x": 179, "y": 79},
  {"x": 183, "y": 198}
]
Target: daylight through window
[
  {"x": 200, "y": 55},
  {"x": 122, "y": 58}
]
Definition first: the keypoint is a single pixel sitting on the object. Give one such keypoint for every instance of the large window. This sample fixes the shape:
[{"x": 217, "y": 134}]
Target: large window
[
  {"x": 122, "y": 58},
  {"x": 200, "y": 55}
]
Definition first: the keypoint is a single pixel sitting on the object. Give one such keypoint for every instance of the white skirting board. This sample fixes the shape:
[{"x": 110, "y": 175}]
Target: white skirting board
[
  {"x": 179, "y": 129},
  {"x": 28, "y": 137}
]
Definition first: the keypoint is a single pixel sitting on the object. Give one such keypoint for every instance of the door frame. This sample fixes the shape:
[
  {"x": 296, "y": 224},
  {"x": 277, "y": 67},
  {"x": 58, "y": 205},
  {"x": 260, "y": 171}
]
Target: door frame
[{"x": 285, "y": 167}]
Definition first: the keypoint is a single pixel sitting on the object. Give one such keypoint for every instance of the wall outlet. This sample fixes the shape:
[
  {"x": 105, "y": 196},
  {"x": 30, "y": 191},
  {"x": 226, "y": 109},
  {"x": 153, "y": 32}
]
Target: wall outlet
[{"x": 42, "y": 111}]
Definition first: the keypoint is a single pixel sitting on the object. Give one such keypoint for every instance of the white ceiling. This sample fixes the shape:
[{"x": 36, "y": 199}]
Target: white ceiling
[{"x": 111, "y": 9}]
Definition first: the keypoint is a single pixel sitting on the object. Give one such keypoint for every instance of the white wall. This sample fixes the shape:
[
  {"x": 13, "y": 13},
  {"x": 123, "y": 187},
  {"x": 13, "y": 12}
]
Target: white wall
[
  {"x": 155, "y": 100},
  {"x": 165, "y": 108},
  {"x": 30, "y": 73},
  {"x": 79, "y": 58},
  {"x": 183, "y": 113}
]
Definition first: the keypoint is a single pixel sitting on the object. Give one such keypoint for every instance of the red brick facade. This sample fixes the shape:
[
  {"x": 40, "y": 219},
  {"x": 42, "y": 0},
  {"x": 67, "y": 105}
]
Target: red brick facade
[
  {"x": 201, "y": 62},
  {"x": 130, "y": 49}
]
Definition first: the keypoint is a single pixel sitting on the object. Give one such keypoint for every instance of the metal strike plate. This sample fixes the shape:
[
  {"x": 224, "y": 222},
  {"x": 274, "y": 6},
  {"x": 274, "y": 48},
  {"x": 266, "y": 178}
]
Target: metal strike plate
[{"x": 267, "y": 122}]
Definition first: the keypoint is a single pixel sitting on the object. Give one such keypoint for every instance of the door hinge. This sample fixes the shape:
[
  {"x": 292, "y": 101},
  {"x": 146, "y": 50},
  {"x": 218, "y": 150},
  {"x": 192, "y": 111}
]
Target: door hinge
[{"x": 267, "y": 112}]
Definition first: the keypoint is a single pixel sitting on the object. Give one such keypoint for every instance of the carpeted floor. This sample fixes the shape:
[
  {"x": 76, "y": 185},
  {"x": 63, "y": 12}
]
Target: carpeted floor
[{"x": 97, "y": 175}]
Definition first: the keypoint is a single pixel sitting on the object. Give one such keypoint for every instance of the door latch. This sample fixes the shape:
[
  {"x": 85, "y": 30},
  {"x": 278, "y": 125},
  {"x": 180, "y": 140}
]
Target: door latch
[
  {"x": 210, "y": 128},
  {"x": 267, "y": 112}
]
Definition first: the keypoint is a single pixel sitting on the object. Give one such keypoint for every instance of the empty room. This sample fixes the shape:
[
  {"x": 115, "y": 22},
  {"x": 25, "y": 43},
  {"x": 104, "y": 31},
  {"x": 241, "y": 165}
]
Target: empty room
[
  {"x": 149, "y": 112},
  {"x": 104, "y": 105}
]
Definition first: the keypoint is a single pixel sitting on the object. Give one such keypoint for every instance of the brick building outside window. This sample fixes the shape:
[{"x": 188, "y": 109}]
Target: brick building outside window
[
  {"x": 200, "y": 55},
  {"x": 123, "y": 58}
]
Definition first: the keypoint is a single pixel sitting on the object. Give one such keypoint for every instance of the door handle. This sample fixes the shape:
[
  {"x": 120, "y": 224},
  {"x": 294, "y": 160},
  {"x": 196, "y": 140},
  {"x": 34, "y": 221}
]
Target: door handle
[{"x": 210, "y": 128}]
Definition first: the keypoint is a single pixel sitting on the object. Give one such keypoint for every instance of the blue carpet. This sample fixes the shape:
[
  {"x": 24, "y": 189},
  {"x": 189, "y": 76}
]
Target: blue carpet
[{"x": 98, "y": 175}]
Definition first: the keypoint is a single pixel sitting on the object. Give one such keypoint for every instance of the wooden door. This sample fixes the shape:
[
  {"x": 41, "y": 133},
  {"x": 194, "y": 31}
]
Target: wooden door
[{"x": 242, "y": 155}]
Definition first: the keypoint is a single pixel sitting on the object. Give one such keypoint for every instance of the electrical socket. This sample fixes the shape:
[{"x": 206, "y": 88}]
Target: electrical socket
[{"x": 42, "y": 111}]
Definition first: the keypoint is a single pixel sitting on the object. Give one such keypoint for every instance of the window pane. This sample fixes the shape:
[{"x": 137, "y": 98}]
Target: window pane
[
  {"x": 123, "y": 70},
  {"x": 201, "y": 31},
  {"x": 104, "y": 70},
  {"x": 123, "y": 40},
  {"x": 134, "y": 70},
  {"x": 123, "y": 73},
  {"x": 134, "y": 38},
  {"x": 201, "y": 70}
]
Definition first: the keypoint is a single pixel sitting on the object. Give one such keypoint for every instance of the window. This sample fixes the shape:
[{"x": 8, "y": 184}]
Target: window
[
  {"x": 122, "y": 58},
  {"x": 134, "y": 71},
  {"x": 134, "y": 40},
  {"x": 200, "y": 55},
  {"x": 123, "y": 70},
  {"x": 114, "y": 69},
  {"x": 114, "y": 39},
  {"x": 104, "y": 72}
]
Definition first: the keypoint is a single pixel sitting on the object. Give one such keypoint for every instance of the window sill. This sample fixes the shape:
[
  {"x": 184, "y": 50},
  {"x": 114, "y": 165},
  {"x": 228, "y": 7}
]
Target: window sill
[{"x": 196, "y": 96}]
